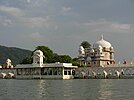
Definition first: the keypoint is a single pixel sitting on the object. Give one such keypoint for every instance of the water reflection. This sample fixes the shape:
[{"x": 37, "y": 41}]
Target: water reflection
[
  {"x": 68, "y": 89},
  {"x": 105, "y": 89},
  {"x": 42, "y": 89},
  {"x": 83, "y": 89}
]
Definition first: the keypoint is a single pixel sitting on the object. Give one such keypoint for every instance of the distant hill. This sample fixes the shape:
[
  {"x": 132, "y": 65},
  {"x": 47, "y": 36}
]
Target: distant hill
[{"x": 13, "y": 53}]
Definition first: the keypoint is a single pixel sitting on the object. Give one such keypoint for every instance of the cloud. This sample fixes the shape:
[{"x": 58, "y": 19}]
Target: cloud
[
  {"x": 120, "y": 26},
  {"x": 36, "y": 21},
  {"x": 107, "y": 26},
  {"x": 66, "y": 9},
  {"x": 12, "y": 11},
  {"x": 35, "y": 35},
  {"x": 28, "y": 1},
  {"x": 21, "y": 17},
  {"x": 5, "y": 21}
]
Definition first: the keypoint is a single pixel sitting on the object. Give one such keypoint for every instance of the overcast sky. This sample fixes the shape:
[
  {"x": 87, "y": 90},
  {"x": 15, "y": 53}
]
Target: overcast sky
[{"x": 63, "y": 24}]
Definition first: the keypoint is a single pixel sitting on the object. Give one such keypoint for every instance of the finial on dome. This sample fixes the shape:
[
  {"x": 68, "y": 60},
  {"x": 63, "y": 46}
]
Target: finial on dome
[{"x": 102, "y": 37}]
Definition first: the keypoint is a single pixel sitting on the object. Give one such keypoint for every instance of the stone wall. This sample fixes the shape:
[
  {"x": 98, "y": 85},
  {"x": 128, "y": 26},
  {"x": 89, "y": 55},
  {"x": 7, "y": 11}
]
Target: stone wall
[{"x": 109, "y": 70}]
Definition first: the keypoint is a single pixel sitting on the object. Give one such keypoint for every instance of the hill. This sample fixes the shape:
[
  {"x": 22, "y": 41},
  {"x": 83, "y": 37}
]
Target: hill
[{"x": 13, "y": 53}]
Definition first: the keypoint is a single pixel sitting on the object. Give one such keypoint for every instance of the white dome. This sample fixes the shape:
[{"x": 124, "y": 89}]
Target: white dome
[
  {"x": 8, "y": 60},
  {"x": 102, "y": 43},
  {"x": 81, "y": 48},
  {"x": 38, "y": 52},
  {"x": 100, "y": 47},
  {"x": 92, "y": 51}
]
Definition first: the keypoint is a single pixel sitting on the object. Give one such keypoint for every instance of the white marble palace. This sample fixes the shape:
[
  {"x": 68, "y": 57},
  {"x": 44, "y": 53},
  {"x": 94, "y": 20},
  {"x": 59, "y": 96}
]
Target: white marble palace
[
  {"x": 40, "y": 70},
  {"x": 101, "y": 54}
]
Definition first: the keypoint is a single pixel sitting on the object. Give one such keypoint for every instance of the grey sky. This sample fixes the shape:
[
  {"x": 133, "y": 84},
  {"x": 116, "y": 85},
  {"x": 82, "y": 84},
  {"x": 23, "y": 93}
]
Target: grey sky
[{"x": 63, "y": 24}]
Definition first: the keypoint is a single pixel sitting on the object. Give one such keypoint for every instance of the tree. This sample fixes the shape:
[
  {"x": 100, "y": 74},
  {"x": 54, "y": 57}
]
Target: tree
[
  {"x": 85, "y": 44},
  {"x": 75, "y": 61},
  {"x": 56, "y": 58},
  {"x": 27, "y": 60},
  {"x": 65, "y": 59},
  {"x": 61, "y": 58},
  {"x": 50, "y": 57}
]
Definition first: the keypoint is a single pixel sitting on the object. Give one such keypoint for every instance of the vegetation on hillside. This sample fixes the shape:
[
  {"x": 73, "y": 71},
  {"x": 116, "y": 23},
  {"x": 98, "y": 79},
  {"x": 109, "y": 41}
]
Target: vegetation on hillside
[{"x": 13, "y": 53}]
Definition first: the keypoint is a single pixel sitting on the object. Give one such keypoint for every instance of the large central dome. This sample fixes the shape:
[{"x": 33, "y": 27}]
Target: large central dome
[{"x": 102, "y": 43}]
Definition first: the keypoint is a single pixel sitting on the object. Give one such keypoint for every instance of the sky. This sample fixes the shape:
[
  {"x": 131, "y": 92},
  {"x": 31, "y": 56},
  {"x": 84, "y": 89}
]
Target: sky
[{"x": 63, "y": 24}]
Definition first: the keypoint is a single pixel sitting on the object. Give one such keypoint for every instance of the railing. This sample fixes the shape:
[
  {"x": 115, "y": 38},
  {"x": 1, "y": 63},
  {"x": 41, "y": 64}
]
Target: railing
[{"x": 119, "y": 65}]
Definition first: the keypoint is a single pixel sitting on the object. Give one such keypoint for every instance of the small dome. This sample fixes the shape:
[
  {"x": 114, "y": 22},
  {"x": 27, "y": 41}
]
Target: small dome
[
  {"x": 92, "y": 51},
  {"x": 100, "y": 47},
  {"x": 38, "y": 52},
  {"x": 111, "y": 47},
  {"x": 102, "y": 43},
  {"x": 81, "y": 51},
  {"x": 81, "y": 48},
  {"x": 8, "y": 61}
]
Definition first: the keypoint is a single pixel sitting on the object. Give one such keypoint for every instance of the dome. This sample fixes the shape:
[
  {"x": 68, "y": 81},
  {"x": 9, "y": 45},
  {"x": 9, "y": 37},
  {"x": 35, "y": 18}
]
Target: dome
[
  {"x": 92, "y": 51},
  {"x": 8, "y": 60},
  {"x": 100, "y": 47},
  {"x": 102, "y": 43},
  {"x": 38, "y": 52},
  {"x": 81, "y": 48}
]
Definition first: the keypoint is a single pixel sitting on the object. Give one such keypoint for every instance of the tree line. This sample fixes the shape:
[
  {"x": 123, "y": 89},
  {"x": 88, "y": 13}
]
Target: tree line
[{"x": 51, "y": 57}]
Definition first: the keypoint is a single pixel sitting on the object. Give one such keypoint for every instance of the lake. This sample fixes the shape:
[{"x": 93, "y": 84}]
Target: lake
[{"x": 77, "y": 89}]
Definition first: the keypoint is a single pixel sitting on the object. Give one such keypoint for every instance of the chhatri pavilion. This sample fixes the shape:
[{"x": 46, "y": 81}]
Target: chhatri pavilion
[{"x": 100, "y": 55}]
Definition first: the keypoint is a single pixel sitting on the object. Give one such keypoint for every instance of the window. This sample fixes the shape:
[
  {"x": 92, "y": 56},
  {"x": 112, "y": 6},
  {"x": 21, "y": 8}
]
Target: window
[
  {"x": 27, "y": 71},
  {"x": 55, "y": 71},
  {"x": 65, "y": 72},
  {"x": 44, "y": 71},
  {"x": 94, "y": 62},
  {"x": 18, "y": 71},
  {"x": 60, "y": 71},
  {"x": 73, "y": 72},
  {"x": 69, "y": 72},
  {"x": 37, "y": 71},
  {"x": 50, "y": 71}
]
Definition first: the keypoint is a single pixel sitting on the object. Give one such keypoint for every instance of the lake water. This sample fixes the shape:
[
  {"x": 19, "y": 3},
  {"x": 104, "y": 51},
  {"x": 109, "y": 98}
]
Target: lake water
[{"x": 77, "y": 89}]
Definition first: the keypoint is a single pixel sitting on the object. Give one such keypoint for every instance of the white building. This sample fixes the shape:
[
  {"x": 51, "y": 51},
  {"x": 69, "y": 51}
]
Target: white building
[
  {"x": 102, "y": 53},
  {"x": 39, "y": 70}
]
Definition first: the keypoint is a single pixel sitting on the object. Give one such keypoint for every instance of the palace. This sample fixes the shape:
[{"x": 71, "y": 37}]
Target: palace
[
  {"x": 101, "y": 54},
  {"x": 40, "y": 70}
]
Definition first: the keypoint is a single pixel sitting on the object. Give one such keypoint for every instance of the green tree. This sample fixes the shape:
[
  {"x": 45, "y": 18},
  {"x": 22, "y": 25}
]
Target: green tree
[
  {"x": 61, "y": 58},
  {"x": 56, "y": 58},
  {"x": 85, "y": 44},
  {"x": 27, "y": 60},
  {"x": 65, "y": 59},
  {"x": 75, "y": 61},
  {"x": 50, "y": 57}
]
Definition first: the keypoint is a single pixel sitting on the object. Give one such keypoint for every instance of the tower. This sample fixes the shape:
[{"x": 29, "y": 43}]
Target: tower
[{"x": 38, "y": 58}]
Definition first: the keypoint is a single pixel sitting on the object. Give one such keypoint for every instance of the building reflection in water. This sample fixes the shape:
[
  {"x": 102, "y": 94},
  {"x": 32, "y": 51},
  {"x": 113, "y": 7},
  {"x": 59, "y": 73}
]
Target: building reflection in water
[
  {"x": 105, "y": 89},
  {"x": 68, "y": 89},
  {"x": 42, "y": 89}
]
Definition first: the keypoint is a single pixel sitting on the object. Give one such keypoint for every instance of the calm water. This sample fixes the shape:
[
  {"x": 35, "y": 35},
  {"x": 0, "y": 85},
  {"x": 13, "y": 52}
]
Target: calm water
[{"x": 84, "y": 89}]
